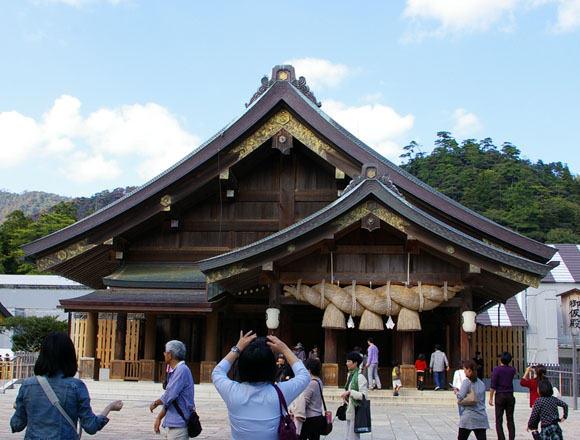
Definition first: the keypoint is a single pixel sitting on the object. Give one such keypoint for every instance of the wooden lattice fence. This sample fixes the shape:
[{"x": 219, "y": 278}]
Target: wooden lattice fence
[
  {"x": 492, "y": 341},
  {"x": 107, "y": 325}
]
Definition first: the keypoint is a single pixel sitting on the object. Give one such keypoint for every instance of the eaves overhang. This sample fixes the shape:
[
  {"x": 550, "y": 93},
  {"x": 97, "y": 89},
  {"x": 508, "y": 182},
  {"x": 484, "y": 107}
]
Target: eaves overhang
[
  {"x": 285, "y": 92},
  {"x": 370, "y": 196}
]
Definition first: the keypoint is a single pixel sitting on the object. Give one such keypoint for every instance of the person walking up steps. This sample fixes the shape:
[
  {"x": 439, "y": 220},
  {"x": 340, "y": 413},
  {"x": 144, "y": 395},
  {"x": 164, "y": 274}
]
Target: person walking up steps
[
  {"x": 421, "y": 367},
  {"x": 437, "y": 366},
  {"x": 373, "y": 365},
  {"x": 396, "y": 377}
]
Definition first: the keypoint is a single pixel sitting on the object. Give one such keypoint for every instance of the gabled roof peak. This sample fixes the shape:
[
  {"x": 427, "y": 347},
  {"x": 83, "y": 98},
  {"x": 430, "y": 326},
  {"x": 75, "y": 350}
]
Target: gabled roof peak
[
  {"x": 284, "y": 72},
  {"x": 370, "y": 171}
]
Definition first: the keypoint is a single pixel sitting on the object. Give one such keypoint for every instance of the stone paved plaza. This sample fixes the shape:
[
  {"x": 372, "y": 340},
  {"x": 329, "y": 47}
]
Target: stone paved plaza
[{"x": 389, "y": 422}]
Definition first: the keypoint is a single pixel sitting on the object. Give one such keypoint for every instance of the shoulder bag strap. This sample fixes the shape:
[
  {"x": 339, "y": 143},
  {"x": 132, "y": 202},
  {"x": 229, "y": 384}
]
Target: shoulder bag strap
[
  {"x": 179, "y": 410},
  {"x": 281, "y": 400},
  {"x": 55, "y": 402},
  {"x": 321, "y": 395}
]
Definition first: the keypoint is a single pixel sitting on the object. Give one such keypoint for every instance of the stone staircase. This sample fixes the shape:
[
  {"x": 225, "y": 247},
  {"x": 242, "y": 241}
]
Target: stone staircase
[{"x": 149, "y": 391}]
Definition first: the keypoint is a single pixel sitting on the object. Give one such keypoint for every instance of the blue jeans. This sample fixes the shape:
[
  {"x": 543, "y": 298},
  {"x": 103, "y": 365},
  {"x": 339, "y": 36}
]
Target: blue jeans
[{"x": 439, "y": 377}]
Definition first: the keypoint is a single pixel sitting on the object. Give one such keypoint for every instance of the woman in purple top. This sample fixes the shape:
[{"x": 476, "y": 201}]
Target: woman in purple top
[{"x": 502, "y": 386}]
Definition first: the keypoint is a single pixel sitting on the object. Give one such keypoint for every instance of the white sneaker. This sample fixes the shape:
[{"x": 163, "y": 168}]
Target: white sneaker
[{"x": 437, "y": 388}]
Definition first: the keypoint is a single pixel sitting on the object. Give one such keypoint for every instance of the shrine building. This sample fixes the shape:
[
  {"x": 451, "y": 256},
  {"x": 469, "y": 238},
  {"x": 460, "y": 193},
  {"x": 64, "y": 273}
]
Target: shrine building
[{"x": 284, "y": 209}]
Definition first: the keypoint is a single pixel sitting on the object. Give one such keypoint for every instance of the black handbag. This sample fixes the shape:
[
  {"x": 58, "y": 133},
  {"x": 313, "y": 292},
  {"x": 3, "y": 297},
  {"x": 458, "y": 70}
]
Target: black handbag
[
  {"x": 341, "y": 412},
  {"x": 193, "y": 423},
  {"x": 326, "y": 422},
  {"x": 362, "y": 417}
]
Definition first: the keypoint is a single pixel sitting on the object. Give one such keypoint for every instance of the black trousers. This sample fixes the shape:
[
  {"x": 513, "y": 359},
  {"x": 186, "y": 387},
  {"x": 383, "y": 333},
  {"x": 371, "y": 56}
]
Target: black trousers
[
  {"x": 311, "y": 428},
  {"x": 464, "y": 434},
  {"x": 505, "y": 402}
]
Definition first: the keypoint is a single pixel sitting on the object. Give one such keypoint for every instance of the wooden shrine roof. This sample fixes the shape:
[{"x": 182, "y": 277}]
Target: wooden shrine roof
[
  {"x": 140, "y": 300},
  {"x": 378, "y": 197},
  {"x": 293, "y": 95}
]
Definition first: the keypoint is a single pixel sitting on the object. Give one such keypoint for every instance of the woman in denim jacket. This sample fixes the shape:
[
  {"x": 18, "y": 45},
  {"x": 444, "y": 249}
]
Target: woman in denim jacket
[{"x": 57, "y": 362}]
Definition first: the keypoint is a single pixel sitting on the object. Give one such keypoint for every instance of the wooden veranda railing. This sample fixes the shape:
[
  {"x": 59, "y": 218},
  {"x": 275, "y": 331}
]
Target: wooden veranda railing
[{"x": 19, "y": 368}]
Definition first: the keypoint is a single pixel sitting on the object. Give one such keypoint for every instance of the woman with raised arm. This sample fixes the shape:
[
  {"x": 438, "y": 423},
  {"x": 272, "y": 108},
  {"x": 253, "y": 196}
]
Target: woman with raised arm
[
  {"x": 54, "y": 371},
  {"x": 253, "y": 403}
]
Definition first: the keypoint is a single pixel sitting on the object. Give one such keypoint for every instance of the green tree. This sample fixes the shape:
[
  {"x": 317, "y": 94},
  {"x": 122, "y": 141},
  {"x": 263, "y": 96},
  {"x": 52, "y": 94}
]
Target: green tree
[
  {"x": 29, "y": 332},
  {"x": 532, "y": 199},
  {"x": 18, "y": 230}
]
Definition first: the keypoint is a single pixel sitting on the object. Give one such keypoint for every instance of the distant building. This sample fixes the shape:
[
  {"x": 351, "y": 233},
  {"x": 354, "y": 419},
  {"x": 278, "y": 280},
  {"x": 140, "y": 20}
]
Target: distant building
[
  {"x": 546, "y": 341},
  {"x": 35, "y": 295}
]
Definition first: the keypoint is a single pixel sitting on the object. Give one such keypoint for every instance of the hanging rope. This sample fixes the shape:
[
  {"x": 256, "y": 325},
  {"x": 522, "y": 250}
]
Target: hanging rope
[
  {"x": 298, "y": 285},
  {"x": 331, "y": 268},
  {"x": 445, "y": 291},
  {"x": 353, "y": 297},
  {"x": 322, "y": 296},
  {"x": 421, "y": 298},
  {"x": 389, "y": 302}
]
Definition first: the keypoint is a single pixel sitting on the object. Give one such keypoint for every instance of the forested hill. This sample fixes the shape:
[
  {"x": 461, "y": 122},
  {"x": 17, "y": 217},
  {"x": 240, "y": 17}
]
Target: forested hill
[
  {"x": 539, "y": 200},
  {"x": 27, "y": 223},
  {"x": 31, "y": 203},
  {"x": 34, "y": 203}
]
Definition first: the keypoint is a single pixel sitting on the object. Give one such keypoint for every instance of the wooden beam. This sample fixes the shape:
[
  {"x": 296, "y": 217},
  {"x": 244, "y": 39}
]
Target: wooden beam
[
  {"x": 376, "y": 278},
  {"x": 287, "y": 187},
  {"x": 369, "y": 249}
]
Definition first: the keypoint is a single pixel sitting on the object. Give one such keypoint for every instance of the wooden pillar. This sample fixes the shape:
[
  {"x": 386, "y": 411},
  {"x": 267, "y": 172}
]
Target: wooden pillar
[
  {"x": 330, "y": 346},
  {"x": 407, "y": 348},
  {"x": 211, "y": 336},
  {"x": 120, "y": 336},
  {"x": 91, "y": 334},
  {"x": 150, "y": 335},
  {"x": 330, "y": 369}
]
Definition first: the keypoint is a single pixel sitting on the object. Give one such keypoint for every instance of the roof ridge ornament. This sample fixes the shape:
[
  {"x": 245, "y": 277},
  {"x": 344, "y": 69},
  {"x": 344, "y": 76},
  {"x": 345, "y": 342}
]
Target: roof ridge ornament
[
  {"x": 284, "y": 72},
  {"x": 370, "y": 171},
  {"x": 300, "y": 84}
]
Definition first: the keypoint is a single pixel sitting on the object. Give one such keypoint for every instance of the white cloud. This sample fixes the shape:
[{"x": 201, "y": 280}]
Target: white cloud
[
  {"x": 80, "y": 3},
  {"x": 568, "y": 16},
  {"x": 465, "y": 123},
  {"x": 84, "y": 168},
  {"x": 319, "y": 73},
  {"x": 377, "y": 125},
  {"x": 460, "y": 15},
  {"x": 88, "y": 149},
  {"x": 19, "y": 136}
]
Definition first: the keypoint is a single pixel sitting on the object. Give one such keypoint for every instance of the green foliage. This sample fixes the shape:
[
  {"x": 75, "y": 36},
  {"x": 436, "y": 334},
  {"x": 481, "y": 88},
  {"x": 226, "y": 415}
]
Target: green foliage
[
  {"x": 539, "y": 200},
  {"x": 29, "y": 333},
  {"x": 31, "y": 203},
  {"x": 20, "y": 228}
]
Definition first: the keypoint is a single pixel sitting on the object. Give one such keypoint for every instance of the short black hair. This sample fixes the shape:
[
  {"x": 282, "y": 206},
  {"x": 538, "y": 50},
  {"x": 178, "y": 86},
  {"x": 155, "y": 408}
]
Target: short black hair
[
  {"x": 437, "y": 347},
  {"x": 371, "y": 340},
  {"x": 545, "y": 388},
  {"x": 57, "y": 354},
  {"x": 421, "y": 356},
  {"x": 257, "y": 362},
  {"x": 506, "y": 357},
  {"x": 354, "y": 357},
  {"x": 395, "y": 363},
  {"x": 313, "y": 365}
]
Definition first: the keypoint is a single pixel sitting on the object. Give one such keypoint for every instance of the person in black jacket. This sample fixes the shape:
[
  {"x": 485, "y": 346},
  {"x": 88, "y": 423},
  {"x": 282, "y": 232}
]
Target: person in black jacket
[{"x": 283, "y": 370}]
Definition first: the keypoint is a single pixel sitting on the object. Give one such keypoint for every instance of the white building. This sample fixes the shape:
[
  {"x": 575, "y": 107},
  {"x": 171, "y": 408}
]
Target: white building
[
  {"x": 36, "y": 295},
  {"x": 547, "y": 343}
]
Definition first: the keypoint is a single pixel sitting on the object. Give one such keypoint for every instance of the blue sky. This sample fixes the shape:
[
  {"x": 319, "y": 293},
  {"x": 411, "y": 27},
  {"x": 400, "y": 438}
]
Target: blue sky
[{"x": 97, "y": 94}]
